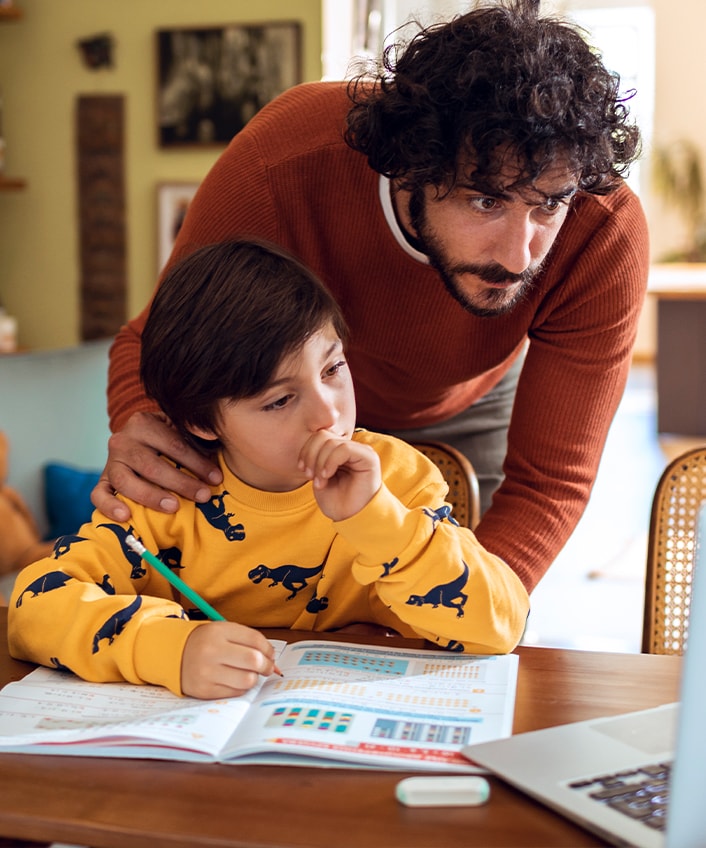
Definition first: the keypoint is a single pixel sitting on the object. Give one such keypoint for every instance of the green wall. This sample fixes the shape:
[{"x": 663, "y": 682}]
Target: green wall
[{"x": 41, "y": 76}]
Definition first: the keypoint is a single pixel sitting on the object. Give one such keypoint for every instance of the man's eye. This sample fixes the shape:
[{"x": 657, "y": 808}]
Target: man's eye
[
  {"x": 486, "y": 204},
  {"x": 554, "y": 204}
]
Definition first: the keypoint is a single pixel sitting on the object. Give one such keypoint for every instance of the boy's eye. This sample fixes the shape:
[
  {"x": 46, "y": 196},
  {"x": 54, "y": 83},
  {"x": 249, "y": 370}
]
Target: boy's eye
[
  {"x": 335, "y": 368},
  {"x": 277, "y": 404}
]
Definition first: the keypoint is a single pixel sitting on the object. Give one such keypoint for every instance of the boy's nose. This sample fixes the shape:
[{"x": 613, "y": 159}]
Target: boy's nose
[{"x": 323, "y": 413}]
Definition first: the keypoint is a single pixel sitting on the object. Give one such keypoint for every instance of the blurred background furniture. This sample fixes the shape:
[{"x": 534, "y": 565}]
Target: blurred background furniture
[
  {"x": 672, "y": 541},
  {"x": 460, "y": 477},
  {"x": 679, "y": 292},
  {"x": 53, "y": 411}
]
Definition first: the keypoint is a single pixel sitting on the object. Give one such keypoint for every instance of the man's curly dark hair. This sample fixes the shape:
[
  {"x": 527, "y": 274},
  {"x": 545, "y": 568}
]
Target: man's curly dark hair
[{"x": 499, "y": 79}]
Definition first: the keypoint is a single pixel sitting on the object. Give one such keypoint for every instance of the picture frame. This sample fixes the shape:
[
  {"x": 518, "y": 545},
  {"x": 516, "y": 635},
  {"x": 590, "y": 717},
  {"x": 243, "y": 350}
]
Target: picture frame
[
  {"x": 212, "y": 80},
  {"x": 173, "y": 200}
]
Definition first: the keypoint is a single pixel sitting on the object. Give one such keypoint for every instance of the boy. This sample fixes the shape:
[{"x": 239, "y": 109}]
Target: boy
[{"x": 316, "y": 525}]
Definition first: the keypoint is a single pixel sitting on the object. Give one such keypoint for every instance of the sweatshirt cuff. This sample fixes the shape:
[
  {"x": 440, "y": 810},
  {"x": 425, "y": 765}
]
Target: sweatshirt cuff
[{"x": 159, "y": 648}]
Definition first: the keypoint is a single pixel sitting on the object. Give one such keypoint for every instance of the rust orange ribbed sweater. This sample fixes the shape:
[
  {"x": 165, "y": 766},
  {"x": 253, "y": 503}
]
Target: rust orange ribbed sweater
[{"x": 416, "y": 356}]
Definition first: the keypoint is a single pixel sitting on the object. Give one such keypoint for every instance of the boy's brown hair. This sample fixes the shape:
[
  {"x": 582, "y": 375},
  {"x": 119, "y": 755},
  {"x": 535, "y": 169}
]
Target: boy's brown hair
[{"x": 220, "y": 323}]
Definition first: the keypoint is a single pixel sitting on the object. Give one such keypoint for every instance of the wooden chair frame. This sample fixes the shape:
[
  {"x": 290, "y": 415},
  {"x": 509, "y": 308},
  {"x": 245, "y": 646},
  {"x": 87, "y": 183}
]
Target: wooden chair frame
[
  {"x": 679, "y": 493},
  {"x": 460, "y": 476}
]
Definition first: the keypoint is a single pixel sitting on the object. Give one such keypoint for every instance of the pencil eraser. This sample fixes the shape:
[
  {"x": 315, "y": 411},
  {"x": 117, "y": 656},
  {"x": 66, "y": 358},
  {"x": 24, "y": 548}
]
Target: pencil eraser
[{"x": 443, "y": 791}]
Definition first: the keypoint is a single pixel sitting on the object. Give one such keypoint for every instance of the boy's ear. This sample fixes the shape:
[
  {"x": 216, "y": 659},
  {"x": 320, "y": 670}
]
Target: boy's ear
[{"x": 202, "y": 433}]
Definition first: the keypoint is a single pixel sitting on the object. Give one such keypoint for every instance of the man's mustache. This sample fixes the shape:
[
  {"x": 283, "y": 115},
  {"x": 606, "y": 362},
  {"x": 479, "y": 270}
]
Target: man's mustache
[{"x": 494, "y": 273}]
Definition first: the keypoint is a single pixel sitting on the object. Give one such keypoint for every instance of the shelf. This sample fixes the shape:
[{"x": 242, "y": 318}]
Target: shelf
[{"x": 11, "y": 183}]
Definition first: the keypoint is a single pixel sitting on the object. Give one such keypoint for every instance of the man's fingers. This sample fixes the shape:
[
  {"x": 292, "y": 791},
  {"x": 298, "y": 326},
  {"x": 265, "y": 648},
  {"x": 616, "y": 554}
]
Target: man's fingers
[
  {"x": 136, "y": 468},
  {"x": 164, "y": 439},
  {"x": 103, "y": 498},
  {"x": 145, "y": 437}
]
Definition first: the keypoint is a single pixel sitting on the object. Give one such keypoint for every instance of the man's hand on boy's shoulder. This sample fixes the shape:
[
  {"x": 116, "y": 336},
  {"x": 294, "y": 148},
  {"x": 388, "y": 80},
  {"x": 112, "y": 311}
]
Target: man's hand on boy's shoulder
[
  {"x": 346, "y": 474},
  {"x": 141, "y": 444}
]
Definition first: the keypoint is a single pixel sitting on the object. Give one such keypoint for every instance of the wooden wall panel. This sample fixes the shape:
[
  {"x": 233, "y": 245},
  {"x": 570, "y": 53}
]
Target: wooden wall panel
[{"x": 102, "y": 225}]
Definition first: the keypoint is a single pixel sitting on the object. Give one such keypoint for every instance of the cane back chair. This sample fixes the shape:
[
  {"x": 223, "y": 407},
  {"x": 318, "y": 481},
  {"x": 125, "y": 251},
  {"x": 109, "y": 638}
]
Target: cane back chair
[
  {"x": 670, "y": 553},
  {"x": 460, "y": 477}
]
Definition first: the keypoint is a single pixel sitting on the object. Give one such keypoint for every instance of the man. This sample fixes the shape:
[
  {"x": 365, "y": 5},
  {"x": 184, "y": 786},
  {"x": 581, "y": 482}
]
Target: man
[{"x": 466, "y": 209}]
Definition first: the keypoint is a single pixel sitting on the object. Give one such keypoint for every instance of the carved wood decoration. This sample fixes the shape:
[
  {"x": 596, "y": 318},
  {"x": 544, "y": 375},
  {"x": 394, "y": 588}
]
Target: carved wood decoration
[{"x": 102, "y": 227}]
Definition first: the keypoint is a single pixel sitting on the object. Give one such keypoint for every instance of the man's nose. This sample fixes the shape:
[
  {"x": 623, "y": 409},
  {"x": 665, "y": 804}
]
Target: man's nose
[{"x": 514, "y": 245}]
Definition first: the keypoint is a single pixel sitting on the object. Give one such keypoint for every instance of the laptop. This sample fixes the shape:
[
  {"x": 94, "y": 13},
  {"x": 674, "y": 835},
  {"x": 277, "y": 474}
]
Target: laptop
[{"x": 618, "y": 776}]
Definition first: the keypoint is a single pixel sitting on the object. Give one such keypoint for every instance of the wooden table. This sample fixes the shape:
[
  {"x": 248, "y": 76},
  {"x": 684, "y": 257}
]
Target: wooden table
[{"x": 125, "y": 803}]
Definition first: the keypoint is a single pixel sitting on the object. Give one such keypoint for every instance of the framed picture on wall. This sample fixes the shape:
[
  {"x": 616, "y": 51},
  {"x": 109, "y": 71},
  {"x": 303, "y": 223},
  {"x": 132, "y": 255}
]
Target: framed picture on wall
[
  {"x": 172, "y": 202},
  {"x": 212, "y": 80}
]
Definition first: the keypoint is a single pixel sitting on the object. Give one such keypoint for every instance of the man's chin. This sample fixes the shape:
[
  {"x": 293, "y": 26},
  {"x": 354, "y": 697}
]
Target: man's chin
[{"x": 486, "y": 300}]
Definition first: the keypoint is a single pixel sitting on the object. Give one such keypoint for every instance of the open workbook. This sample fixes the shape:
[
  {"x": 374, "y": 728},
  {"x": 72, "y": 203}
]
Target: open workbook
[{"x": 337, "y": 704}]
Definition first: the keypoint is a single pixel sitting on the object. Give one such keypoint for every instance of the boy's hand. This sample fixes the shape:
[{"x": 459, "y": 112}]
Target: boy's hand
[
  {"x": 222, "y": 659},
  {"x": 346, "y": 474},
  {"x": 136, "y": 469}
]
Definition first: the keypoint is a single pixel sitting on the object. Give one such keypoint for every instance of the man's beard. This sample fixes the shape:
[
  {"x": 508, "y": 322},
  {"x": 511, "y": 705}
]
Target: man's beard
[{"x": 492, "y": 301}]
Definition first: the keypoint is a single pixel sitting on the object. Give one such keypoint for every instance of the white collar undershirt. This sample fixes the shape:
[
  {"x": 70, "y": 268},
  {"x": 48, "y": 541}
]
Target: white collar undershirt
[{"x": 389, "y": 213}]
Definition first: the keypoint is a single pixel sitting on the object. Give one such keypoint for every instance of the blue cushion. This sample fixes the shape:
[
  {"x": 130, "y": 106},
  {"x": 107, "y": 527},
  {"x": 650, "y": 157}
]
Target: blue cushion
[{"x": 67, "y": 497}]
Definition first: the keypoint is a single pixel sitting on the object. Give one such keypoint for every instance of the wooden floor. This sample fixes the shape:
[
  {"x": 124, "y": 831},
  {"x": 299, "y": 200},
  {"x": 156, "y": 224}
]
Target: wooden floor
[{"x": 592, "y": 596}]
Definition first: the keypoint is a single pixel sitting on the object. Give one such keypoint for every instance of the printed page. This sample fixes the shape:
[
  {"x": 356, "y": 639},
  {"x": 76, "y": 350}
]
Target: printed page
[
  {"x": 51, "y": 711},
  {"x": 377, "y": 707}
]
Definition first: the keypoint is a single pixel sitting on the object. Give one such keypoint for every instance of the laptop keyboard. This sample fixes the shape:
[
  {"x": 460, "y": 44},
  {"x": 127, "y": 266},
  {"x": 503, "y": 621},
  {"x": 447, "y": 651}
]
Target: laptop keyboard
[{"x": 642, "y": 794}]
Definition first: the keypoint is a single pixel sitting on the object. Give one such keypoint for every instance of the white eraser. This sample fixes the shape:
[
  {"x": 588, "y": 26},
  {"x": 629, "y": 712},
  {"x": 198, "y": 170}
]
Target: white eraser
[{"x": 443, "y": 791}]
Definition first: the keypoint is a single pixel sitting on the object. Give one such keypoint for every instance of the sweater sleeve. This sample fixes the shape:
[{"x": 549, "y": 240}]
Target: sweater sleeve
[
  {"x": 94, "y": 609},
  {"x": 432, "y": 573}
]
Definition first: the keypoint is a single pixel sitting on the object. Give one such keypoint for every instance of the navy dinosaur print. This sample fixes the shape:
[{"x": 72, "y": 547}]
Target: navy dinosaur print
[
  {"x": 455, "y": 646},
  {"x": 46, "y": 583},
  {"x": 181, "y": 614},
  {"x": 194, "y": 614},
  {"x": 441, "y": 514},
  {"x": 63, "y": 544},
  {"x": 292, "y": 577},
  {"x": 171, "y": 557},
  {"x": 115, "y": 625},
  {"x": 135, "y": 560},
  {"x": 106, "y": 585},
  {"x": 317, "y": 604},
  {"x": 388, "y": 566},
  {"x": 446, "y": 594},
  {"x": 59, "y": 666},
  {"x": 214, "y": 511}
]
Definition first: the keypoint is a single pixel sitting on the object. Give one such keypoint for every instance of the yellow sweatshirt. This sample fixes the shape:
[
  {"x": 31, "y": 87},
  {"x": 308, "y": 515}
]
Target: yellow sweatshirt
[{"x": 267, "y": 559}]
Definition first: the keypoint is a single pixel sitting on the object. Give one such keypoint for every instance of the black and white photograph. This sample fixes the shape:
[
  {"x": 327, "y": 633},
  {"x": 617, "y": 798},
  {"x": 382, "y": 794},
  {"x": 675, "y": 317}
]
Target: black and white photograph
[{"x": 211, "y": 81}]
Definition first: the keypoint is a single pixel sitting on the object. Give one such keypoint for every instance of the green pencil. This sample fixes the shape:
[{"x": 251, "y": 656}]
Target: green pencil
[{"x": 175, "y": 580}]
